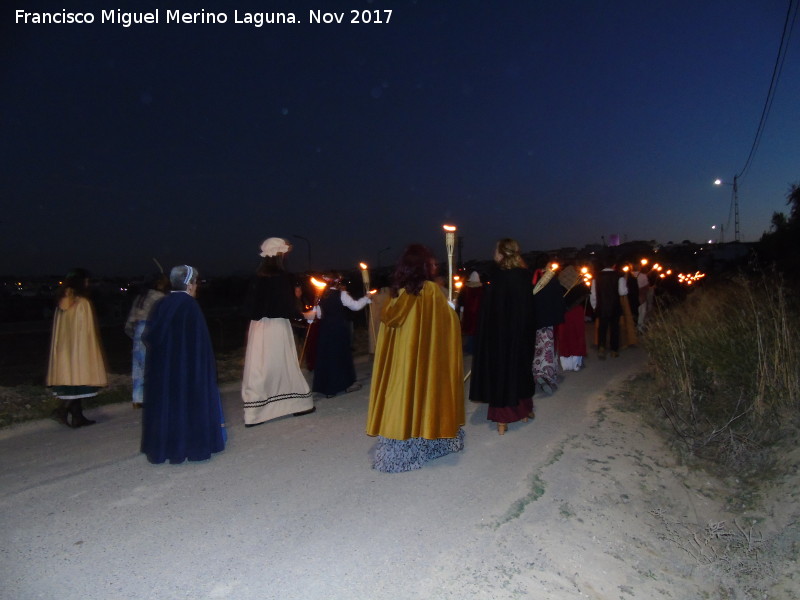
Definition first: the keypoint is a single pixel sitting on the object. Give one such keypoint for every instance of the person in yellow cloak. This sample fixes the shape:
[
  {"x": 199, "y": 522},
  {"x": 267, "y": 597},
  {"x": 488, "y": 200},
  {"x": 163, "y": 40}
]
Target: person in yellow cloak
[
  {"x": 416, "y": 404},
  {"x": 77, "y": 367}
]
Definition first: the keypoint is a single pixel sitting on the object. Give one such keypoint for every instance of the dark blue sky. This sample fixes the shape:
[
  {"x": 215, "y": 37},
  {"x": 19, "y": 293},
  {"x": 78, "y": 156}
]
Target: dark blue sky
[{"x": 552, "y": 122}]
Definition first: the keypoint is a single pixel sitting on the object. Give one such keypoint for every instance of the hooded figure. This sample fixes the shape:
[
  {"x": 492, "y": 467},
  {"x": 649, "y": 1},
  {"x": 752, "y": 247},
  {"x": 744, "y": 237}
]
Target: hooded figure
[
  {"x": 77, "y": 367},
  {"x": 182, "y": 415}
]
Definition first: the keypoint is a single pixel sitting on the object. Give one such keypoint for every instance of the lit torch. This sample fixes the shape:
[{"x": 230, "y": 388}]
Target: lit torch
[
  {"x": 449, "y": 242},
  {"x": 587, "y": 276},
  {"x": 365, "y": 279},
  {"x": 319, "y": 287},
  {"x": 546, "y": 277},
  {"x": 364, "y": 276}
]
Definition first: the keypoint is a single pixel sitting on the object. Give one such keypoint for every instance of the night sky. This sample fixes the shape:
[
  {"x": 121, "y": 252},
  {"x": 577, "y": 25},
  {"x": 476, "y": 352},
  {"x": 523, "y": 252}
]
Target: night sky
[{"x": 556, "y": 123}]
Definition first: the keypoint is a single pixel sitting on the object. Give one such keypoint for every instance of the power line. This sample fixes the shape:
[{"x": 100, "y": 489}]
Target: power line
[{"x": 788, "y": 26}]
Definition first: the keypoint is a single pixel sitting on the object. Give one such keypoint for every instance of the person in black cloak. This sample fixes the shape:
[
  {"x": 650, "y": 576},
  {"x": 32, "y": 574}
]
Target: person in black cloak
[
  {"x": 502, "y": 372},
  {"x": 182, "y": 414},
  {"x": 334, "y": 371},
  {"x": 549, "y": 307},
  {"x": 607, "y": 288}
]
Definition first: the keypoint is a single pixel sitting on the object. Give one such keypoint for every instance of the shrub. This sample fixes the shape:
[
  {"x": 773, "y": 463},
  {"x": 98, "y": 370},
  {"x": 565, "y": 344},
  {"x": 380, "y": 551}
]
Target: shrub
[{"x": 726, "y": 360}]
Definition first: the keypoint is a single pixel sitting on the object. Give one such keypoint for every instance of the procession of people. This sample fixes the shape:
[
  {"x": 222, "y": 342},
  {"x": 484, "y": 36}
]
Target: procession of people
[{"x": 524, "y": 328}]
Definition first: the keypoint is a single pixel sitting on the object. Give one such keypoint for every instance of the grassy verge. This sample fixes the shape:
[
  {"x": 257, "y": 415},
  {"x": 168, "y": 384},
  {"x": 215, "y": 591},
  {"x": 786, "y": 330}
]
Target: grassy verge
[
  {"x": 725, "y": 363},
  {"x": 723, "y": 389},
  {"x": 19, "y": 404},
  {"x": 23, "y": 403}
]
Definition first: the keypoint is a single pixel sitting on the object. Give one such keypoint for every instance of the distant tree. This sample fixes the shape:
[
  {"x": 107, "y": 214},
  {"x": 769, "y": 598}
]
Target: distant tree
[
  {"x": 793, "y": 200},
  {"x": 778, "y": 222},
  {"x": 781, "y": 245}
]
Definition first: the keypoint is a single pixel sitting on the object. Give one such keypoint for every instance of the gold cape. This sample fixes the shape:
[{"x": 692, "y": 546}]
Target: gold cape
[
  {"x": 418, "y": 375},
  {"x": 76, "y": 357}
]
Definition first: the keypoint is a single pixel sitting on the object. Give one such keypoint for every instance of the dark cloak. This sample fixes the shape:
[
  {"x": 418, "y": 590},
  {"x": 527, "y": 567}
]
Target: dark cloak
[
  {"x": 607, "y": 294},
  {"x": 334, "y": 370},
  {"x": 502, "y": 365},
  {"x": 549, "y": 305},
  {"x": 182, "y": 415}
]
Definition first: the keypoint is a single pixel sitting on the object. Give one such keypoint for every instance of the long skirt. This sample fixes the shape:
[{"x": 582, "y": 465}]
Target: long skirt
[
  {"x": 138, "y": 361},
  {"x": 544, "y": 359},
  {"x": 397, "y": 456},
  {"x": 273, "y": 385},
  {"x": 511, "y": 414},
  {"x": 334, "y": 370},
  {"x": 627, "y": 325},
  {"x": 571, "y": 339}
]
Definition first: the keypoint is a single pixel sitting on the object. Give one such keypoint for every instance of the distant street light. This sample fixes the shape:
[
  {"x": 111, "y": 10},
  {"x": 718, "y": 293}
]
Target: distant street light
[
  {"x": 721, "y": 238},
  {"x": 735, "y": 185},
  {"x": 305, "y": 239}
]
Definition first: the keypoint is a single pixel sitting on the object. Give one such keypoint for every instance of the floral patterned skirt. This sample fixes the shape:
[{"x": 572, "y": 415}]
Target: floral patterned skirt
[
  {"x": 398, "y": 456},
  {"x": 139, "y": 357},
  {"x": 544, "y": 358}
]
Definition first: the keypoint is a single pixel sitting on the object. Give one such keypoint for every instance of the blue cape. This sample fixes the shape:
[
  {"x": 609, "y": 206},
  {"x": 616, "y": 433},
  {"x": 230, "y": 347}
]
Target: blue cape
[{"x": 182, "y": 415}]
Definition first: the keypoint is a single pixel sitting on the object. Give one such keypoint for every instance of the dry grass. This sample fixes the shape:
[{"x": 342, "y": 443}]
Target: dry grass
[
  {"x": 19, "y": 404},
  {"x": 725, "y": 361},
  {"x": 23, "y": 403}
]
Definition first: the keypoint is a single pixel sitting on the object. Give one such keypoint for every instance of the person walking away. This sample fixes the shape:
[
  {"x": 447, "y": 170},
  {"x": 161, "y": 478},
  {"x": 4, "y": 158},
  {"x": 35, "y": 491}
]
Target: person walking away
[
  {"x": 549, "y": 309},
  {"x": 182, "y": 410},
  {"x": 335, "y": 371},
  {"x": 571, "y": 334},
  {"x": 416, "y": 400},
  {"x": 606, "y": 290},
  {"x": 77, "y": 367},
  {"x": 630, "y": 309},
  {"x": 134, "y": 327},
  {"x": 502, "y": 374},
  {"x": 643, "y": 283},
  {"x": 273, "y": 385},
  {"x": 469, "y": 304}
]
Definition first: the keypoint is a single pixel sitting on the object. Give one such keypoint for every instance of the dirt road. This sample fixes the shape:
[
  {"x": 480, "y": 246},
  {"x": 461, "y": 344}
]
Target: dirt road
[{"x": 557, "y": 508}]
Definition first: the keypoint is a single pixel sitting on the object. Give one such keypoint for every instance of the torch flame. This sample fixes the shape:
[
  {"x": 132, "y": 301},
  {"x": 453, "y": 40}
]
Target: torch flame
[
  {"x": 363, "y": 266},
  {"x": 449, "y": 227},
  {"x": 320, "y": 285}
]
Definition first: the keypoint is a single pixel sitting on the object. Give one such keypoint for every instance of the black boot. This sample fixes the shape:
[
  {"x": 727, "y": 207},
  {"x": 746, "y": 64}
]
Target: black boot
[
  {"x": 61, "y": 412},
  {"x": 78, "y": 418}
]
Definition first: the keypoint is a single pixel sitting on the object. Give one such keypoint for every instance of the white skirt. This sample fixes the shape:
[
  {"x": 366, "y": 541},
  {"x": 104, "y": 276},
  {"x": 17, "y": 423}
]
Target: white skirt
[{"x": 273, "y": 384}]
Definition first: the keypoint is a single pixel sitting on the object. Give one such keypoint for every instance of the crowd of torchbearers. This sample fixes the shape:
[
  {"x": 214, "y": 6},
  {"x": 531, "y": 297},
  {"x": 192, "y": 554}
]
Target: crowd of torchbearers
[{"x": 523, "y": 326}]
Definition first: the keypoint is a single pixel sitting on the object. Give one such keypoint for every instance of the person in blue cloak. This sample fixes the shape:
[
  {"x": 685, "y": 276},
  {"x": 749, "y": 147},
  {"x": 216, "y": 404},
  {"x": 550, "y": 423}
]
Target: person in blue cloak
[{"x": 182, "y": 413}]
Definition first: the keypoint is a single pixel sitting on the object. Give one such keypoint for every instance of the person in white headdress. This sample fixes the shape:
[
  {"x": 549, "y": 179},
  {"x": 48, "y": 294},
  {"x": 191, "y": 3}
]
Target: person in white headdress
[{"x": 273, "y": 385}]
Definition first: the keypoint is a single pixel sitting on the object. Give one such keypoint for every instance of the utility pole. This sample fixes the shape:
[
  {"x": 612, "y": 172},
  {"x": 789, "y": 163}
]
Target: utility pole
[{"x": 736, "y": 206}]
